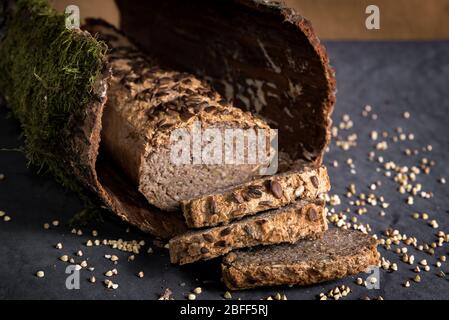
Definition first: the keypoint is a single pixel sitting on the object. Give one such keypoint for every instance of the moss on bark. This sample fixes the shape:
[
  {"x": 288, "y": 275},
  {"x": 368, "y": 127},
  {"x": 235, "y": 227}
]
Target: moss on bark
[{"x": 47, "y": 73}]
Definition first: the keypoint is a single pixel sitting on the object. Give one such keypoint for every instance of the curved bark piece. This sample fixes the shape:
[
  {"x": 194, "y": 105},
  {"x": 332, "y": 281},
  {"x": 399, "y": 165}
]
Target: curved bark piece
[
  {"x": 256, "y": 53},
  {"x": 261, "y": 55}
]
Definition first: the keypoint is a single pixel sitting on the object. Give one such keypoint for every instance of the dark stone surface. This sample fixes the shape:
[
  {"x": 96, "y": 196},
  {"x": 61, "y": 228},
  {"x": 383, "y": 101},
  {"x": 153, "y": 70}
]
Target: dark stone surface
[{"x": 392, "y": 77}]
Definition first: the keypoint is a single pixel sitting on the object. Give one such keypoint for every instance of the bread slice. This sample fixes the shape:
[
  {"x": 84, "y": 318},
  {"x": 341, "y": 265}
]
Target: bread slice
[
  {"x": 146, "y": 105},
  {"x": 337, "y": 254},
  {"x": 300, "y": 220},
  {"x": 305, "y": 182}
]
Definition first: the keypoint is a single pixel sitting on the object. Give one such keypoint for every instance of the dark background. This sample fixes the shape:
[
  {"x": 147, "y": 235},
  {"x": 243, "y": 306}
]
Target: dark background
[{"x": 391, "y": 77}]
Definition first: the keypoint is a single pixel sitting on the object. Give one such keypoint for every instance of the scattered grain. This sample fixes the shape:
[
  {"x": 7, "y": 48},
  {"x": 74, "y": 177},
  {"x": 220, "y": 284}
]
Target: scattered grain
[
  {"x": 109, "y": 273},
  {"x": 191, "y": 296}
]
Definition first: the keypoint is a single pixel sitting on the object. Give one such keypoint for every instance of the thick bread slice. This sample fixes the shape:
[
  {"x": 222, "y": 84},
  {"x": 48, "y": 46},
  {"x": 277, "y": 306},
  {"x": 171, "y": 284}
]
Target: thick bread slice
[
  {"x": 305, "y": 182},
  {"x": 300, "y": 220},
  {"x": 146, "y": 104},
  {"x": 337, "y": 254}
]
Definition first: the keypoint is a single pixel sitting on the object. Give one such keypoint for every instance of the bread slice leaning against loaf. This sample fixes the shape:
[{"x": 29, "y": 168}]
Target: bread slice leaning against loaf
[
  {"x": 339, "y": 253},
  {"x": 304, "y": 182},
  {"x": 145, "y": 105},
  {"x": 301, "y": 220}
]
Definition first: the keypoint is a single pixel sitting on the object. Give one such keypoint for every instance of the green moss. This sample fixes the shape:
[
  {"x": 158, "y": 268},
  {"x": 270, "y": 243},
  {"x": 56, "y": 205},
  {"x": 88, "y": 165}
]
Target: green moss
[{"x": 47, "y": 74}]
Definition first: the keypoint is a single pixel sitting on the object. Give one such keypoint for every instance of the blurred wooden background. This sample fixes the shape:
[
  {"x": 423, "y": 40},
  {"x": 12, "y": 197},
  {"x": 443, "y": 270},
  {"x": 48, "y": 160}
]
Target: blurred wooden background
[{"x": 336, "y": 19}]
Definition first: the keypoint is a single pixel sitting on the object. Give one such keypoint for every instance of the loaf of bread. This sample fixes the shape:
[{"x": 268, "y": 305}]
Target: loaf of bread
[
  {"x": 300, "y": 220},
  {"x": 304, "y": 182},
  {"x": 145, "y": 105},
  {"x": 339, "y": 253},
  {"x": 271, "y": 64}
]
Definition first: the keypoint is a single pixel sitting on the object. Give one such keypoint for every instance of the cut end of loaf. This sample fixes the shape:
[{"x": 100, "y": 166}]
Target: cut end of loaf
[{"x": 166, "y": 183}]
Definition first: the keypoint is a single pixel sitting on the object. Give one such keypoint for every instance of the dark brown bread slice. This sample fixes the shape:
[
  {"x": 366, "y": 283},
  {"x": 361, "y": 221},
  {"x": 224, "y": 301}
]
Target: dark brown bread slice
[
  {"x": 300, "y": 220},
  {"x": 337, "y": 254},
  {"x": 305, "y": 182}
]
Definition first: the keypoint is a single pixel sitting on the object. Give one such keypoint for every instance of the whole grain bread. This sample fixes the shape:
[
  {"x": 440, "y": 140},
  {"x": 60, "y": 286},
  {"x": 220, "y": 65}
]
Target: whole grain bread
[
  {"x": 304, "y": 182},
  {"x": 300, "y": 220},
  {"x": 145, "y": 105},
  {"x": 337, "y": 254}
]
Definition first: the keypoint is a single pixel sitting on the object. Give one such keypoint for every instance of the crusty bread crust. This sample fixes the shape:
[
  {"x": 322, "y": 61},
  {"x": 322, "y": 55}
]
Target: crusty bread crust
[
  {"x": 339, "y": 253},
  {"x": 306, "y": 182},
  {"x": 300, "y": 220}
]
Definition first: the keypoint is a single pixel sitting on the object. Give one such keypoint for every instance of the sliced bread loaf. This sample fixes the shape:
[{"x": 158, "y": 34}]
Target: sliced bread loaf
[
  {"x": 305, "y": 182},
  {"x": 337, "y": 254},
  {"x": 146, "y": 104},
  {"x": 300, "y": 220}
]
